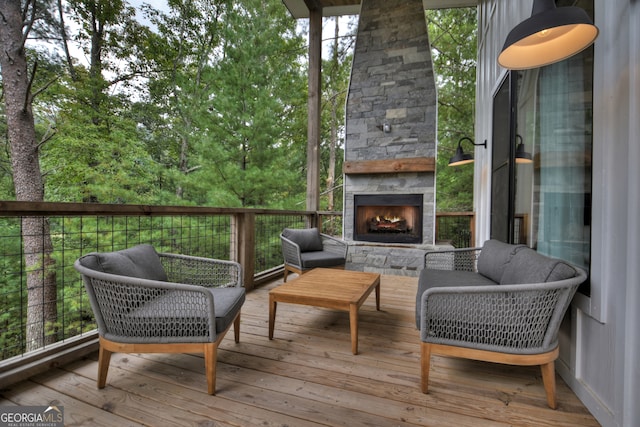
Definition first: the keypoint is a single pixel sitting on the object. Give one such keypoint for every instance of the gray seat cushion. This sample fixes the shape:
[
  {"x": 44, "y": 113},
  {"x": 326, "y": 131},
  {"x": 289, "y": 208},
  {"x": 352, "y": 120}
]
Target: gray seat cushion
[
  {"x": 317, "y": 259},
  {"x": 528, "y": 266},
  {"x": 495, "y": 257},
  {"x": 441, "y": 278},
  {"x": 308, "y": 239},
  {"x": 142, "y": 262},
  {"x": 227, "y": 302}
]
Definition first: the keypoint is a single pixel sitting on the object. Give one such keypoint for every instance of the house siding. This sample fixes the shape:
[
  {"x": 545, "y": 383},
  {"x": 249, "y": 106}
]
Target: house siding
[{"x": 600, "y": 344}]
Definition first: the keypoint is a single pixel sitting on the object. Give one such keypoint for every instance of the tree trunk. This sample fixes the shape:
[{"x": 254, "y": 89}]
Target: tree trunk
[{"x": 27, "y": 178}]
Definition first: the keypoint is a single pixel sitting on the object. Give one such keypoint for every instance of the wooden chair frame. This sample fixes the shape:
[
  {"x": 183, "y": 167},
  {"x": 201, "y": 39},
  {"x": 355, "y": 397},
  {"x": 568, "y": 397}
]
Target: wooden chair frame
[
  {"x": 209, "y": 349},
  {"x": 545, "y": 360}
]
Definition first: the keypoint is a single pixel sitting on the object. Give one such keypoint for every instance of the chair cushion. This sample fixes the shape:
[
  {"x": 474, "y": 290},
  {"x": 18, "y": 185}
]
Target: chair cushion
[
  {"x": 320, "y": 259},
  {"x": 441, "y": 278},
  {"x": 227, "y": 302},
  {"x": 495, "y": 257},
  {"x": 307, "y": 238},
  {"x": 142, "y": 262},
  {"x": 528, "y": 266}
]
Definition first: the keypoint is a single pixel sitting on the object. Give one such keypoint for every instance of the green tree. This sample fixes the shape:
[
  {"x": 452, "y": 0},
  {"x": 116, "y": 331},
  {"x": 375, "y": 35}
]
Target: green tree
[
  {"x": 90, "y": 108},
  {"x": 453, "y": 37},
  {"x": 253, "y": 148},
  {"x": 335, "y": 73},
  {"x": 182, "y": 54}
]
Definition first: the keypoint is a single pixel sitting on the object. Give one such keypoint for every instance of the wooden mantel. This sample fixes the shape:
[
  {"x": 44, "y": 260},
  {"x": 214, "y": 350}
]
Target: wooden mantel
[{"x": 410, "y": 164}]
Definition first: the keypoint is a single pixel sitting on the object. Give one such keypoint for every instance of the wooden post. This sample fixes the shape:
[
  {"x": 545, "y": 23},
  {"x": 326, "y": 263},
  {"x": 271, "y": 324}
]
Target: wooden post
[
  {"x": 315, "y": 88},
  {"x": 243, "y": 245}
]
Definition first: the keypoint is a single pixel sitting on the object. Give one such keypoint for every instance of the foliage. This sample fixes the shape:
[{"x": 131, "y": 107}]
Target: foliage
[
  {"x": 453, "y": 35},
  {"x": 335, "y": 73}
]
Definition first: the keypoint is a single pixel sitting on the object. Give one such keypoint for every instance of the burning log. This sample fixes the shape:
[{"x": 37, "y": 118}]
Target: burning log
[{"x": 384, "y": 224}]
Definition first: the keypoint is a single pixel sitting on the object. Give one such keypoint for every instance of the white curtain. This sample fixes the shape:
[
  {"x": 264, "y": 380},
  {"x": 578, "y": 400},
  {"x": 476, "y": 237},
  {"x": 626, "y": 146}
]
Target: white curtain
[{"x": 562, "y": 174}]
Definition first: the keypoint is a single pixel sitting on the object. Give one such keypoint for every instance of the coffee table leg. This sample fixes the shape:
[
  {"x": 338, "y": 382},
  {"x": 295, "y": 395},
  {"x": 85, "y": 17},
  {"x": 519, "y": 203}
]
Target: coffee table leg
[
  {"x": 272, "y": 315},
  {"x": 353, "y": 320},
  {"x": 378, "y": 297}
]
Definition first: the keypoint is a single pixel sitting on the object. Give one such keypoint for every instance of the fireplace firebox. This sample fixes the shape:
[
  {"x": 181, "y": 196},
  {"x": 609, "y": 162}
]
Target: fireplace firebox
[{"x": 388, "y": 218}]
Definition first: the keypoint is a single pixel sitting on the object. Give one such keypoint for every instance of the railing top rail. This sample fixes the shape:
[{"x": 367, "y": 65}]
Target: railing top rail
[
  {"x": 455, "y": 213},
  {"x": 13, "y": 208}
]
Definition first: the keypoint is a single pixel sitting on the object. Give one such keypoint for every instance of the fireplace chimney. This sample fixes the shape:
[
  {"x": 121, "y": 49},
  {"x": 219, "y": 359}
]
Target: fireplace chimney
[{"x": 391, "y": 112}]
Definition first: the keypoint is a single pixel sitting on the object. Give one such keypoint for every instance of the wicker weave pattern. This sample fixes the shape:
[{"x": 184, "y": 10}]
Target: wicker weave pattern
[
  {"x": 517, "y": 319},
  {"x": 455, "y": 259},
  {"x": 201, "y": 271},
  {"x": 137, "y": 313},
  {"x": 291, "y": 252},
  {"x": 492, "y": 319}
]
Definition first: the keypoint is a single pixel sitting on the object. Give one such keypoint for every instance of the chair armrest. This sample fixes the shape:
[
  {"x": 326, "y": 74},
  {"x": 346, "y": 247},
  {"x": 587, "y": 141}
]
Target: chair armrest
[
  {"x": 520, "y": 319},
  {"x": 291, "y": 252},
  {"x": 208, "y": 272},
  {"x": 334, "y": 245},
  {"x": 464, "y": 259}
]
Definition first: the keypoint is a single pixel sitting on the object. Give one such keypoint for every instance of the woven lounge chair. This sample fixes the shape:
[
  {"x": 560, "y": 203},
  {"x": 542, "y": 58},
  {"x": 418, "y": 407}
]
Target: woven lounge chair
[
  {"x": 305, "y": 249},
  {"x": 149, "y": 302}
]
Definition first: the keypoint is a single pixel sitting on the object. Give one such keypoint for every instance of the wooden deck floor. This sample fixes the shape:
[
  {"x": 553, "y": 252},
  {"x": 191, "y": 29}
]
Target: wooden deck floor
[{"x": 305, "y": 376}]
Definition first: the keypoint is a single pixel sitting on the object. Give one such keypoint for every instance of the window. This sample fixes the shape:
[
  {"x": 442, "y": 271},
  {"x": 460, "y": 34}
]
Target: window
[{"x": 546, "y": 203}]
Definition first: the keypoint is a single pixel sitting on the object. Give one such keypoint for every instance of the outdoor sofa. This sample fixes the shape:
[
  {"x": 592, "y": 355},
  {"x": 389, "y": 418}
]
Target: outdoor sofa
[{"x": 500, "y": 303}]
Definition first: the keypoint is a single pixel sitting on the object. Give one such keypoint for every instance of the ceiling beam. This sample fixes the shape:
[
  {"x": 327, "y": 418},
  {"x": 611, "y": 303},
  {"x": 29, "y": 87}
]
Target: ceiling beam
[{"x": 300, "y": 8}]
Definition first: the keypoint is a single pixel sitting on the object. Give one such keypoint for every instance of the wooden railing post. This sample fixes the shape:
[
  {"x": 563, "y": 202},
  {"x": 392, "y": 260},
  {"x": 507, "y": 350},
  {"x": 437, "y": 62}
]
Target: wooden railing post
[{"x": 243, "y": 245}]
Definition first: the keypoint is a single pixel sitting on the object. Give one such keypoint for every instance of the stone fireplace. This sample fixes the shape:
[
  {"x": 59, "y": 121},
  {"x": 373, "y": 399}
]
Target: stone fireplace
[{"x": 390, "y": 145}]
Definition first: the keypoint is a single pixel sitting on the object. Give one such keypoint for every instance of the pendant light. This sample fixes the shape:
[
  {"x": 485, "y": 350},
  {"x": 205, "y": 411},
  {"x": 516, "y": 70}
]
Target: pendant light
[
  {"x": 462, "y": 158},
  {"x": 550, "y": 35},
  {"x": 522, "y": 157}
]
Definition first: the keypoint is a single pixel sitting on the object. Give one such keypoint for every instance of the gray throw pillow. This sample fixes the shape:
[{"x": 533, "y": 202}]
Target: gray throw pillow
[
  {"x": 528, "y": 266},
  {"x": 495, "y": 257},
  {"x": 140, "y": 261},
  {"x": 307, "y": 238}
]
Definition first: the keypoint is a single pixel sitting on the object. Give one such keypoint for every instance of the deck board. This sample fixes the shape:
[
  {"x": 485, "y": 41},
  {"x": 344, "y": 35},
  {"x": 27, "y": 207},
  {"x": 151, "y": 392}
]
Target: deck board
[{"x": 306, "y": 376}]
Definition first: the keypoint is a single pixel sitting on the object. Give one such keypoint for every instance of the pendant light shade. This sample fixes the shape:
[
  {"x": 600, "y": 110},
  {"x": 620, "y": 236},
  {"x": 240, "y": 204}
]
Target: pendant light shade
[
  {"x": 522, "y": 156},
  {"x": 462, "y": 158},
  {"x": 550, "y": 35}
]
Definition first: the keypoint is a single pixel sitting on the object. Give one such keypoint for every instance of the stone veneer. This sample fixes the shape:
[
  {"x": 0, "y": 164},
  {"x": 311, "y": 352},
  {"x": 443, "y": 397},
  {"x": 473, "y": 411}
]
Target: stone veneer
[{"x": 392, "y": 82}]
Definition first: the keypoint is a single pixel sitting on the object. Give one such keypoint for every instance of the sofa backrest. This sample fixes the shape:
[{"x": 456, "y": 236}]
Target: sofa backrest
[
  {"x": 508, "y": 264},
  {"x": 142, "y": 262},
  {"x": 308, "y": 239},
  {"x": 528, "y": 266},
  {"x": 495, "y": 257}
]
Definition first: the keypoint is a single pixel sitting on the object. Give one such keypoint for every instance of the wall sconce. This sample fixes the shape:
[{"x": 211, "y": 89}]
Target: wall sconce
[
  {"x": 550, "y": 35},
  {"x": 385, "y": 127},
  {"x": 522, "y": 157},
  {"x": 462, "y": 158}
]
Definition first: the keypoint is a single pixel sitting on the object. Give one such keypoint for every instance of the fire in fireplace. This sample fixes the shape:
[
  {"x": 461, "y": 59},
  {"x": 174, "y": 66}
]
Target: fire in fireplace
[{"x": 388, "y": 218}]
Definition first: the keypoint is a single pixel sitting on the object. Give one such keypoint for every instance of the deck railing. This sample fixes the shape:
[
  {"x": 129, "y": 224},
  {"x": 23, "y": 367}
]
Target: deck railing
[
  {"x": 456, "y": 228},
  {"x": 249, "y": 236}
]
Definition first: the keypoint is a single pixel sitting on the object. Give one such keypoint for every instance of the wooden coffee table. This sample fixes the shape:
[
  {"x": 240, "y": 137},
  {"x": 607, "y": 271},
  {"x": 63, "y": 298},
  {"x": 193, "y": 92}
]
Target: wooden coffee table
[{"x": 329, "y": 288}]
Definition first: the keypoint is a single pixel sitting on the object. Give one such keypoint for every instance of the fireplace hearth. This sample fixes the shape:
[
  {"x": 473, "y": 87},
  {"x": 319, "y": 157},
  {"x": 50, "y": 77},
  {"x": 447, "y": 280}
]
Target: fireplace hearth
[{"x": 388, "y": 218}]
